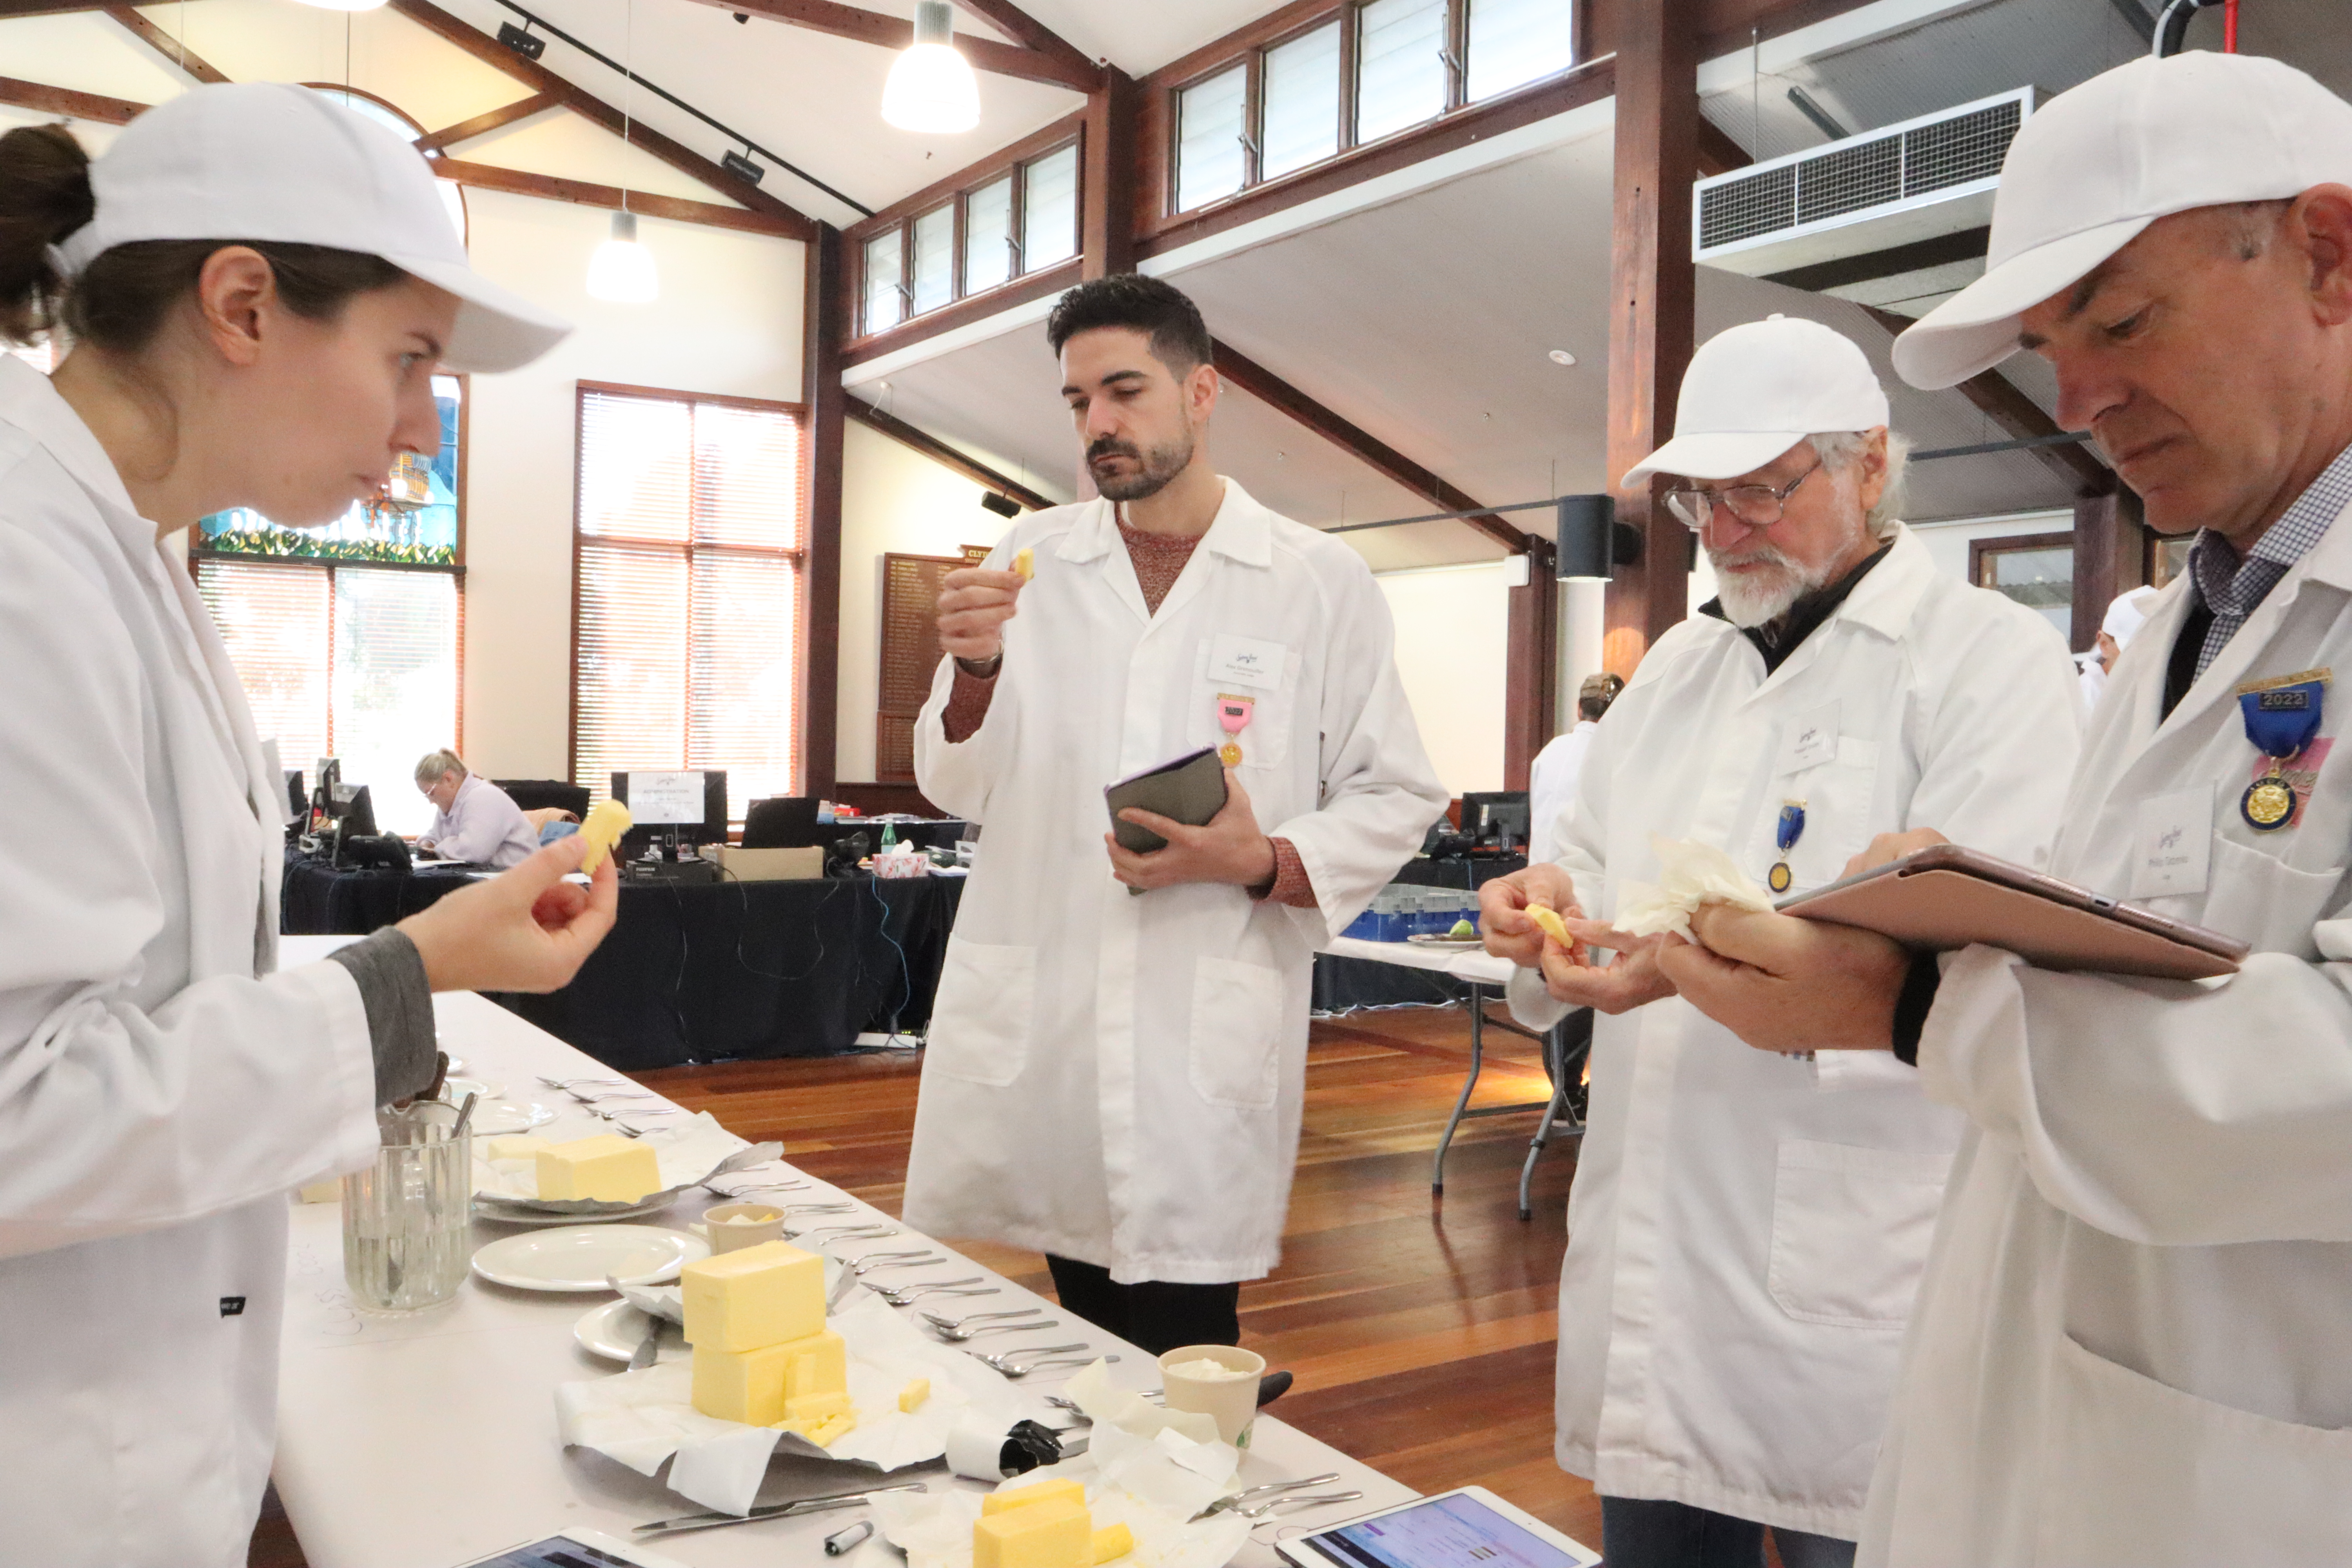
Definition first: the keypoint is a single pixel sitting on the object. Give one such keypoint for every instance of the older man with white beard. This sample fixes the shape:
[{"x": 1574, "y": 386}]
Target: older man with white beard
[{"x": 1746, "y": 1230}]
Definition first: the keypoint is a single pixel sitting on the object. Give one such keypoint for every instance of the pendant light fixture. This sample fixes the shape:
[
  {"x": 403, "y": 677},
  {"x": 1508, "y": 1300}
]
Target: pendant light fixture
[
  {"x": 931, "y": 89},
  {"x": 622, "y": 271}
]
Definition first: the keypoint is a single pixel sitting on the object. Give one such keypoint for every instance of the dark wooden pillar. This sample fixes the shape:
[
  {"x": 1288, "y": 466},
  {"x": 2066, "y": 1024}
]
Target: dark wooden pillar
[
  {"x": 2110, "y": 558},
  {"x": 1532, "y": 670},
  {"x": 1651, "y": 282},
  {"x": 824, "y": 327},
  {"x": 1106, "y": 181}
]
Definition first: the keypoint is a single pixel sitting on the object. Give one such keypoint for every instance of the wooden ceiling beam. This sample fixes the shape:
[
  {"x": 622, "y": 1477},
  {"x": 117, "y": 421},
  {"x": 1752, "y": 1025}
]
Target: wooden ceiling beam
[
  {"x": 588, "y": 106},
  {"x": 1717, "y": 153},
  {"x": 1029, "y": 33},
  {"x": 939, "y": 452},
  {"x": 1359, "y": 443},
  {"x": 163, "y": 44},
  {"x": 841, "y": 21},
  {"x": 583, "y": 192},
  {"x": 11, "y": 9},
  {"x": 94, "y": 107},
  {"x": 483, "y": 124},
  {"x": 2021, "y": 419}
]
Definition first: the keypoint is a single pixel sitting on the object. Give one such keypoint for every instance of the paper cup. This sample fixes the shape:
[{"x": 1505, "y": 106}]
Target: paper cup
[
  {"x": 1230, "y": 1399},
  {"x": 733, "y": 1226}
]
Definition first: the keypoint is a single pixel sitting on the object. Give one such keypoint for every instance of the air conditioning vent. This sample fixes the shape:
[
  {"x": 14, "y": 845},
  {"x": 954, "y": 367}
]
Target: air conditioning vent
[{"x": 1915, "y": 195}]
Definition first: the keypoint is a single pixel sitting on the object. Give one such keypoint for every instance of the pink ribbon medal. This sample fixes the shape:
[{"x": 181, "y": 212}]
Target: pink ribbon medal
[{"x": 1233, "y": 717}]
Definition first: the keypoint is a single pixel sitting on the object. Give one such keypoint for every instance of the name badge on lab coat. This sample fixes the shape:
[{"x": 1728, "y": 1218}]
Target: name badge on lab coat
[
  {"x": 1246, "y": 661},
  {"x": 1811, "y": 740},
  {"x": 2172, "y": 844}
]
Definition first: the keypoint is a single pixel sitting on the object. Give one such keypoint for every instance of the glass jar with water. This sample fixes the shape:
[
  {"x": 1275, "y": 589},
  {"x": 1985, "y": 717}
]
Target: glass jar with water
[{"x": 407, "y": 1219}]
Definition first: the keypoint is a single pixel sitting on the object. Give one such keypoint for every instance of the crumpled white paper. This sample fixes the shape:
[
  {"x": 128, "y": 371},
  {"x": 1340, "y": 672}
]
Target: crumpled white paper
[
  {"x": 934, "y": 1529},
  {"x": 641, "y": 1418},
  {"x": 686, "y": 1153},
  {"x": 1689, "y": 874}
]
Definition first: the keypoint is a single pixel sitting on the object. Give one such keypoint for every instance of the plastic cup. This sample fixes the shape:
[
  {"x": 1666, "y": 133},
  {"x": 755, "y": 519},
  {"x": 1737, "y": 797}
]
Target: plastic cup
[
  {"x": 730, "y": 1227},
  {"x": 1229, "y": 1398}
]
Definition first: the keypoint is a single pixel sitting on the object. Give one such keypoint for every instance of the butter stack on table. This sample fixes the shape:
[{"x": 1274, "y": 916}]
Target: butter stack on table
[
  {"x": 609, "y": 1169},
  {"x": 762, "y": 1354},
  {"x": 1043, "y": 1526}
]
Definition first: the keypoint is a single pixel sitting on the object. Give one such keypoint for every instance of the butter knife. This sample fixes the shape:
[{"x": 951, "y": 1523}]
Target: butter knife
[{"x": 798, "y": 1505}]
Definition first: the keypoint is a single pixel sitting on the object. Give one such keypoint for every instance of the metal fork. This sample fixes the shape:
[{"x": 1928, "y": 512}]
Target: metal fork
[
  {"x": 847, "y": 1233},
  {"x": 957, "y": 1336},
  {"x": 1249, "y": 1495},
  {"x": 978, "y": 1317},
  {"x": 1019, "y": 1372},
  {"x": 872, "y": 1260},
  {"x": 999, "y": 1357},
  {"x": 566, "y": 1083},
  {"x": 1260, "y": 1510},
  {"x": 908, "y": 1295}
]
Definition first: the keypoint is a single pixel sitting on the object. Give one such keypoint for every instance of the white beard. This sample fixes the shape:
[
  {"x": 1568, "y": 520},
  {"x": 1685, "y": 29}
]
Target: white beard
[{"x": 1754, "y": 598}]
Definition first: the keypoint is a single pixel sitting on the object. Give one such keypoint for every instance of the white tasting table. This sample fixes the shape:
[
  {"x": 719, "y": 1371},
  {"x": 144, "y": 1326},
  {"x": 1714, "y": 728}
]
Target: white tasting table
[
  {"x": 1484, "y": 972},
  {"x": 428, "y": 1441}
]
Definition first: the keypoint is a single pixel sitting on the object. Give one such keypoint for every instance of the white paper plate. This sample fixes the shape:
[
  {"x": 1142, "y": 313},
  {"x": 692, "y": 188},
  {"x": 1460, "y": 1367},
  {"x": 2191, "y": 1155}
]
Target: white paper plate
[
  {"x": 1428, "y": 939},
  {"x": 494, "y": 1118},
  {"x": 525, "y": 1213},
  {"x": 578, "y": 1257},
  {"x": 614, "y": 1330},
  {"x": 455, "y": 1089}
]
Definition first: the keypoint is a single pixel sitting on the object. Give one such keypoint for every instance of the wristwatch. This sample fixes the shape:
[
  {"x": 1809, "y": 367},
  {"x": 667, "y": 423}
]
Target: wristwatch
[{"x": 981, "y": 669}]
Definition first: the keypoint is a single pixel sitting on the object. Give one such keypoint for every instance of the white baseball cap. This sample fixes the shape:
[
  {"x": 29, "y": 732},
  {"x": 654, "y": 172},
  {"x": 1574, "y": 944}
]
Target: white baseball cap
[
  {"x": 2127, "y": 614},
  {"x": 264, "y": 161},
  {"x": 2131, "y": 145},
  {"x": 1755, "y": 390}
]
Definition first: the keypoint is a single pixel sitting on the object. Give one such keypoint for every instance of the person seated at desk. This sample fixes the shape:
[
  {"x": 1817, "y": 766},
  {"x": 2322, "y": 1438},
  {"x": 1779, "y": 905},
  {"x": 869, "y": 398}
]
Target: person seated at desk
[{"x": 473, "y": 820}]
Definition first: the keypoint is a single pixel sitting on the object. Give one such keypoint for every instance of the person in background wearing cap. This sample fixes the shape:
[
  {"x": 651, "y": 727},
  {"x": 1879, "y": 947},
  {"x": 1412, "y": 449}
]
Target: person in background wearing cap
[
  {"x": 2129, "y": 1348},
  {"x": 1747, "y": 1231},
  {"x": 162, "y": 1085},
  {"x": 2126, "y": 613},
  {"x": 1551, "y": 777}
]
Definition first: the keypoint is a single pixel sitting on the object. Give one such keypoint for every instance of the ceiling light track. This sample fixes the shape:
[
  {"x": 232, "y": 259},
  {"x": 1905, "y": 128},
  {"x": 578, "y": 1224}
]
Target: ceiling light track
[{"x": 544, "y": 26}]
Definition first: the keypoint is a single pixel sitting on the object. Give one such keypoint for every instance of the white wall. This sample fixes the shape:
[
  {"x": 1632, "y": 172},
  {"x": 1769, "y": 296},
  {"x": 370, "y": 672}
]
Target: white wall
[
  {"x": 729, "y": 321},
  {"x": 894, "y": 501},
  {"x": 1451, "y": 648}
]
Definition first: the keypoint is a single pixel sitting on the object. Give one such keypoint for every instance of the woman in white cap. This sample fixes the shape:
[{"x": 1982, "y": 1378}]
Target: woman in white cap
[
  {"x": 256, "y": 286},
  {"x": 2130, "y": 1345}
]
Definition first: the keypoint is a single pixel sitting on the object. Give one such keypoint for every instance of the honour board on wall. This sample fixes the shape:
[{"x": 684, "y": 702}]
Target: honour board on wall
[{"x": 911, "y": 654}]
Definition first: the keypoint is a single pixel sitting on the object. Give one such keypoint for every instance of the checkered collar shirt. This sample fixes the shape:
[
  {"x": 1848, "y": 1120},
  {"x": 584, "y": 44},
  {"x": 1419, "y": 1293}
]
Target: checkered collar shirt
[{"x": 2232, "y": 589}]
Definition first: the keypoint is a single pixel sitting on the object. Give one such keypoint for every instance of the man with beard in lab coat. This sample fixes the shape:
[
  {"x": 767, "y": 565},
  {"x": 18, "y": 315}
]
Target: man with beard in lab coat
[
  {"x": 1114, "y": 1080},
  {"x": 2129, "y": 1345},
  {"x": 1746, "y": 1231}
]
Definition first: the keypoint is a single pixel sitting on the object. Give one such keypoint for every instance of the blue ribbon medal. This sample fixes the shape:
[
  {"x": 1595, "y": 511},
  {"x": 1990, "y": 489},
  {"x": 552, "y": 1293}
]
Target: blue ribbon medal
[
  {"x": 2283, "y": 717},
  {"x": 1791, "y": 828}
]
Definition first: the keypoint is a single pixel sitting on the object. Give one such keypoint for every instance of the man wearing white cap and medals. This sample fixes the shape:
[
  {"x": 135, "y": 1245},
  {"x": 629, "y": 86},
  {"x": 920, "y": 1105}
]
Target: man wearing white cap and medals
[
  {"x": 164, "y": 1084},
  {"x": 1746, "y": 1231},
  {"x": 2130, "y": 1347}
]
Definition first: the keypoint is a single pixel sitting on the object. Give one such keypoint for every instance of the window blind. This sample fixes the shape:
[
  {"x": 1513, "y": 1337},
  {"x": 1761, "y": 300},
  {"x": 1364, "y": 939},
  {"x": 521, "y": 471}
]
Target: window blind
[
  {"x": 1049, "y": 210},
  {"x": 629, "y": 696},
  {"x": 395, "y": 684},
  {"x": 1399, "y": 66},
  {"x": 934, "y": 259},
  {"x": 1514, "y": 42},
  {"x": 275, "y": 620},
  {"x": 1302, "y": 102},
  {"x": 883, "y": 301},
  {"x": 743, "y": 674},
  {"x": 1211, "y": 123},
  {"x": 637, "y": 466},
  {"x": 988, "y": 236}
]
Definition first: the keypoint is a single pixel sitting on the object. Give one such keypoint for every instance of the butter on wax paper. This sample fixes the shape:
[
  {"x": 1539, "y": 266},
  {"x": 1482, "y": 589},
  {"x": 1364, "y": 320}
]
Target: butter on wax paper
[{"x": 1689, "y": 875}]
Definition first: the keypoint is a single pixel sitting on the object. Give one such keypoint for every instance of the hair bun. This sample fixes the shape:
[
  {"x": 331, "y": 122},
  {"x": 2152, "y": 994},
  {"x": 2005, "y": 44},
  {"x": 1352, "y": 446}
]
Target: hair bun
[{"x": 44, "y": 195}]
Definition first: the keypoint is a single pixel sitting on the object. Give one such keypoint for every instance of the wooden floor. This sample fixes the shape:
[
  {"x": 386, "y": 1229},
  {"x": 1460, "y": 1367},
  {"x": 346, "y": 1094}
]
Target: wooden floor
[{"x": 1421, "y": 1331}]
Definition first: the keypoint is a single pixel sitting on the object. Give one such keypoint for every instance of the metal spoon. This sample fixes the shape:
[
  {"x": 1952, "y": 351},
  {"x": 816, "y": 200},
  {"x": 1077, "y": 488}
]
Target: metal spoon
[
  {"x": 1272, "y": 1504},
  {"x": 908, "y": 1295},
  {"x": 978, "y": 1317},
  {"x": 873, "y": 1260},
  {"x": 957, "y": 1336},
  {"x": 999, "y": 1357}
]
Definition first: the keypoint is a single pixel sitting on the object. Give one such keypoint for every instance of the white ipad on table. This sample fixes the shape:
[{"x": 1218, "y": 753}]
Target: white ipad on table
[
  {"x": 577, "y": 1548},
  {"x": 1467, "y": 1525}
]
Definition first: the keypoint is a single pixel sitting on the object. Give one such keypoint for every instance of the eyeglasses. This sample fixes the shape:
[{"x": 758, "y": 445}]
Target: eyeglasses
[{"x": 1758, "y": 506}]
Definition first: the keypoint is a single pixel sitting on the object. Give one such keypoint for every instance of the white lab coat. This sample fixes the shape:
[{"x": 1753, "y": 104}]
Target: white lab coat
[
  {"x": 2130, "y": 1348},
  {"x": 157, "y": 1100},
  {"x": 1117, "y": 1080},
  {"x": 1551, "y": 785},
  {"x": 1745, "y": 1229}
]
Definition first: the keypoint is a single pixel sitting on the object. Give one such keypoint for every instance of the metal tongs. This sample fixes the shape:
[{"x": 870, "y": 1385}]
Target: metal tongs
[{"x": 827, "y": 1504}]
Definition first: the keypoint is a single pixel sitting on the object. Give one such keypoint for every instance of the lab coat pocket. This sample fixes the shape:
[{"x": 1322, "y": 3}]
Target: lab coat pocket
[
  {"x": 2140, "y": 1475},
  {"x": 1236, "y": 1033},
  {"x": 985, "y": 1008},
  {"x": 1849, "y": 1231},
  {"x": 2264, "y": 901}
]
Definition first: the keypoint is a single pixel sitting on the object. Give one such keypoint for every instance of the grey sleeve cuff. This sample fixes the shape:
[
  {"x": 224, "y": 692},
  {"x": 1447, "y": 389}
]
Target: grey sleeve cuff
[{"x": 390, "y": 974}]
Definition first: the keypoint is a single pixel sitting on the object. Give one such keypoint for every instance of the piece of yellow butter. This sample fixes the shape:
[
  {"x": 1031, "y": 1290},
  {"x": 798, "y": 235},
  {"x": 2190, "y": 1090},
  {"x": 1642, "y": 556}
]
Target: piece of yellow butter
[
  {"x": 611, "y": 1169},
  {"x": 742, "y": 1386},
  {"x": 601, "y": 829},
  {"x": 813, "y": 1407},
  {"x": 821, "y": 1431},
  {"x": 327, "y": 1192},
  {"x": 1113, "y": 1541},
  {"x": 1058, "y": 1488},
  {"x": 1548, "y": 920},
  {"x": 911, "y": 1397},
  {"x": 1024, "y": 562},
  {"x": 766, "y": 1295},
  {"x": 1045, "y": 1535},
  {"x": 819, "y": 1366}
]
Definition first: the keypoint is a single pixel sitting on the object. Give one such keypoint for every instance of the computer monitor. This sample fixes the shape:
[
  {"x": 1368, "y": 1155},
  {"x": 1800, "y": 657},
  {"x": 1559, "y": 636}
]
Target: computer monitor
[
  {"x": 324, "y": 777},
  {"x": 1495, "y": 815},
  {"x": 297, "y": 800},
  {"x": 680, "y": 806},
  {"x": 784, "y": 822},
  {"x": 350, "y": 805}
]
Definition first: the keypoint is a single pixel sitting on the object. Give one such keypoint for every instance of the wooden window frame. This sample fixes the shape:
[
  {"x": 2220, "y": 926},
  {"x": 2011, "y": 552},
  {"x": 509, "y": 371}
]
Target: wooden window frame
[
  {"x": 2008, "y": 543},
  {"x": 800, "y": 558}
]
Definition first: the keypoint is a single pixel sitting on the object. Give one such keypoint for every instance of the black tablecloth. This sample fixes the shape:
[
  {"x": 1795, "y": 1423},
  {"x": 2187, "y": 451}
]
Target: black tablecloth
[
  {"x": 1341, "y": 983},
  {"x": 696, "y": 973}
]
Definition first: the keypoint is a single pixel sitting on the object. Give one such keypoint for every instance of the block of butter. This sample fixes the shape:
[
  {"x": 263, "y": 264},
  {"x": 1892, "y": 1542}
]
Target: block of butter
[
  {"x": 804, "y": 1380},
  {"x": 1025, "y": 564},
  {"x": 611, "y": 1169},
  {"x": 1061, "y": 1489},
  {"x": 1113, "y": 1542},
  {"x": 600, "y": 830},
  {"x": 759, "y": 1295},
  {"x": 911, "y": 1397},
  {"x": 520, "y": 1146},
  {"x": 1043, "y": 1535}
]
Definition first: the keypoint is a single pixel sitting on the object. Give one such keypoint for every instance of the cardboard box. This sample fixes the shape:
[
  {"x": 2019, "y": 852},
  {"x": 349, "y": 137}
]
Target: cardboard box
[{"x": 766, "y": 865}]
